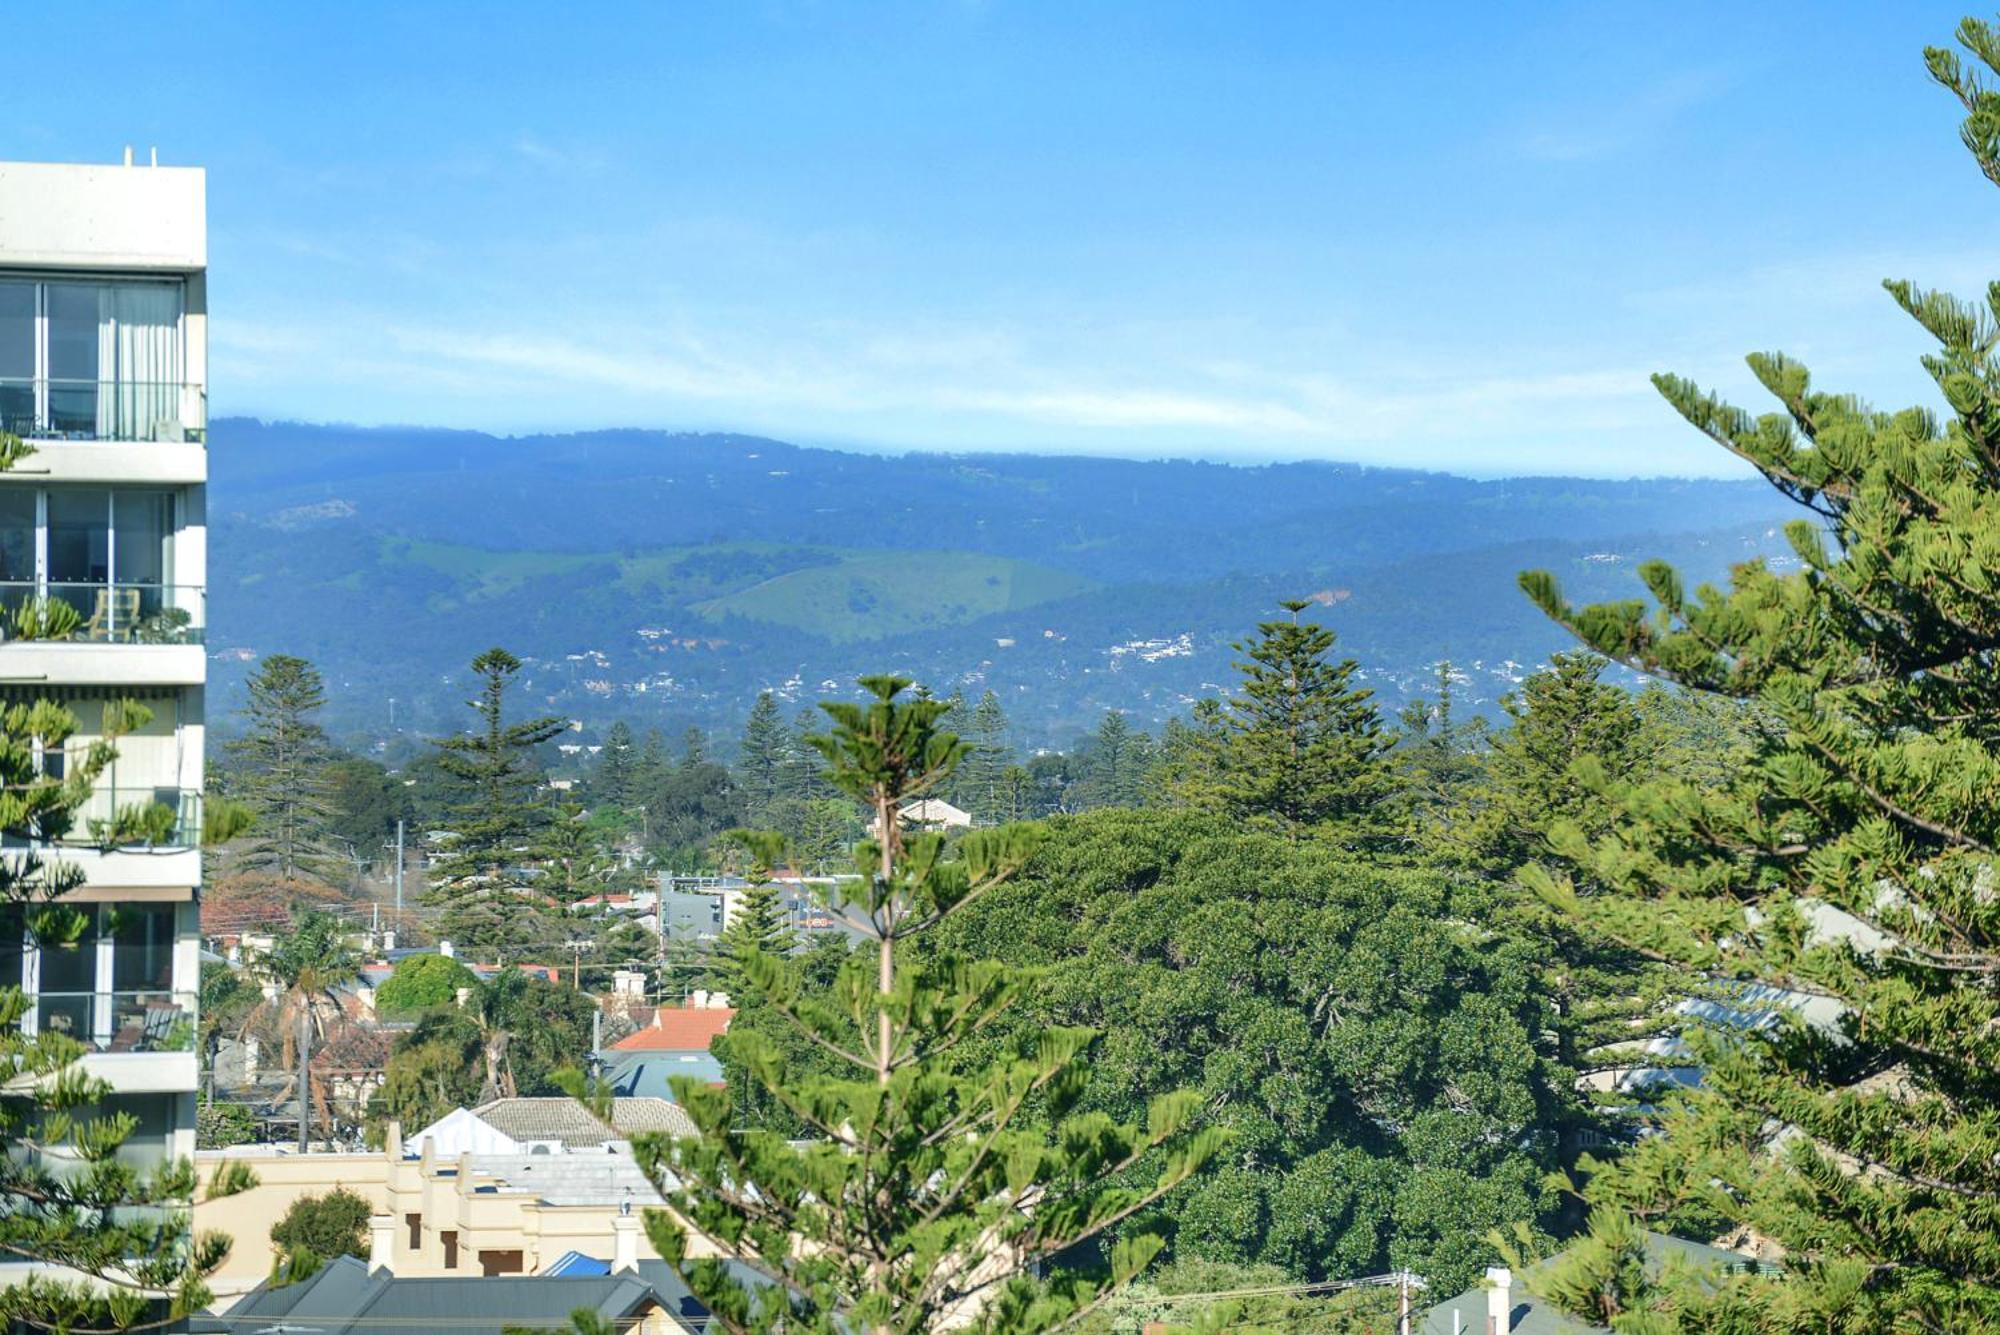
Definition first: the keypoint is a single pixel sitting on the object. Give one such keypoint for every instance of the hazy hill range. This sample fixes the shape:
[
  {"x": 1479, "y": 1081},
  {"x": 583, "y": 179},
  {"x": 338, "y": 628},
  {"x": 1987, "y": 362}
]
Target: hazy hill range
[{"x": 668, "y": 578}]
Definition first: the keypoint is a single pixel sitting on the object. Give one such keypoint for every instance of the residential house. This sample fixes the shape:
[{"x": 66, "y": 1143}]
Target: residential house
[
  {"x": 679, "y": 1041},
  {"x": 507, "y": 1203}
]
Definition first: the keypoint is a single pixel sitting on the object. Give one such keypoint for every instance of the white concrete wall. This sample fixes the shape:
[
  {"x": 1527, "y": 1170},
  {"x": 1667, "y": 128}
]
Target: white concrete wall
[{"x": 65, "y": 215}]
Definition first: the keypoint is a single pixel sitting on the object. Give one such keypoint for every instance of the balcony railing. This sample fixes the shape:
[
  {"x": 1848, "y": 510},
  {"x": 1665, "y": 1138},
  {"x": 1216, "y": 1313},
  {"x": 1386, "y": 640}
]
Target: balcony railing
[
  {"x": 151, "y": 1021},
  {"x": 108, "y": 613},
  {"x": 105, "y": 410},
  {"x": 165, "y": 820}
]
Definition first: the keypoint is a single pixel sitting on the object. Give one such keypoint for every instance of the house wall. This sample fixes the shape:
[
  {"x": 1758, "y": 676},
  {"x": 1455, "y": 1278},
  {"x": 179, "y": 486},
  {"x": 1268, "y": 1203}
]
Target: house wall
[{"x": 444, "y": 1193}]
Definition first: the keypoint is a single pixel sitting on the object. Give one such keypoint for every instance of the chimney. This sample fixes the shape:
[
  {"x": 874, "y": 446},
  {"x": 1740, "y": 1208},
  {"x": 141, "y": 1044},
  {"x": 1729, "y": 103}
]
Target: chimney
[
  {"x": 392, "y": 1141},
  {"x": 624, "y": 1244},
  {"x": 1499, "y": 1300},
  {"x": 381, "y": 1242}
]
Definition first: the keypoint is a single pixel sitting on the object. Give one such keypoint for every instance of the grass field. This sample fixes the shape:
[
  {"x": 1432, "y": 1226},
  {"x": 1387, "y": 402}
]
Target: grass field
[
  {"x": 838, "y": 594},
  {"x": 872, "y": 594}
]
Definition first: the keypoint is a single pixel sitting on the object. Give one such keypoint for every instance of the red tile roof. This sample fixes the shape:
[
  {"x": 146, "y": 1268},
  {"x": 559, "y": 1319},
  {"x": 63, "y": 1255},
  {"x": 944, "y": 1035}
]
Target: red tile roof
[{"x": 679, "y": 1029}]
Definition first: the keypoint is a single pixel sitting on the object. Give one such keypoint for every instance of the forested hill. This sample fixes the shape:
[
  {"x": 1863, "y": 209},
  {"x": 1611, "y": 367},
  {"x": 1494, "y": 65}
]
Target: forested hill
[{"x": 667, "y": 578}]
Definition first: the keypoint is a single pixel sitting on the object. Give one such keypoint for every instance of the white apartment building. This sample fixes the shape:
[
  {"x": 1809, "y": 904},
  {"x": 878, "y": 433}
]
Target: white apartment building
[{"x": 103, "y": 370}]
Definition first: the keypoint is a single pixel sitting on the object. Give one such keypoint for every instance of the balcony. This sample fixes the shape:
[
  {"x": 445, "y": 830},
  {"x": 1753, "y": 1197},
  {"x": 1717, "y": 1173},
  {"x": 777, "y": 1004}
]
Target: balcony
[
  {"x": 111, "y": 411},
  {"x": 103, "y": 613},
  {"x": 110, "y": 1022}
]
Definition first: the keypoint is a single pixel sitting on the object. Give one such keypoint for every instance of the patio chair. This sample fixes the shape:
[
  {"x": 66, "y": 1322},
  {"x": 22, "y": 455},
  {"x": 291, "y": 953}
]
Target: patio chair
[{"x": 115, "y": 615}]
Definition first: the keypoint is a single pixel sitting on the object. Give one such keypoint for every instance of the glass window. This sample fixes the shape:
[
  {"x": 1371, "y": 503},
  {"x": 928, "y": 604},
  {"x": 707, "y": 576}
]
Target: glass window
[
  {"x": 143, "y": 520},
  {"x": 17, "y": 535},
  {"x": 75, "y": 311},
  {"x": 17, "y": 358},
  {"x": 70, "y": 969},
  {"x": 142, "y": 947},
  {"x": 79, "y": 536},
  {"x": 13, "y": 948}
]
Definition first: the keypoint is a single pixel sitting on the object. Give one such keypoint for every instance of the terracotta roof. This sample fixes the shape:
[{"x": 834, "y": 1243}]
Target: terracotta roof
[{"x": 679, "y": 1029}]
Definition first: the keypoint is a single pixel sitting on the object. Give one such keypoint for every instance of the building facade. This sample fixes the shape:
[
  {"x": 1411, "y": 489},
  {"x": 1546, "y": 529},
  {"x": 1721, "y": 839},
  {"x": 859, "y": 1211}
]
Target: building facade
[{"x": 103, "y": 372}]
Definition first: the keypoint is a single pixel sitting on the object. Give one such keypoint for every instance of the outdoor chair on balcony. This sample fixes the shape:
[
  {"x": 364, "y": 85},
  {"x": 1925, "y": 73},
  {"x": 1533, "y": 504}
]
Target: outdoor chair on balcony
[{"x": 115, "y": 615}]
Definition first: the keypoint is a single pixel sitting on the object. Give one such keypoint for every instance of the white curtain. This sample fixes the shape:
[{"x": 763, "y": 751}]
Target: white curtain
[{"x": 140, "y": 365}]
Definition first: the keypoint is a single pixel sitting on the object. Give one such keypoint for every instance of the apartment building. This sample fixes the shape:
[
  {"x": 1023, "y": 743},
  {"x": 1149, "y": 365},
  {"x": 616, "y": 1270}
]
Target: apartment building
[{"x": 103, "y": 369}]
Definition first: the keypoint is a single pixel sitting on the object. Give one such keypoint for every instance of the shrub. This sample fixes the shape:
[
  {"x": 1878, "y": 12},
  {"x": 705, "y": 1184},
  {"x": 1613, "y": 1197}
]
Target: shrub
[
  {"x": 335, "y": 1224},
  {"x": 422, "y": 982}
]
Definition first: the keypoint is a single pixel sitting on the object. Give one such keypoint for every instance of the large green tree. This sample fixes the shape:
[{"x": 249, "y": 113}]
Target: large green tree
[
  {"x": 927, "y": 1185},
  {"x": 761, "y": 762},
  {"x": 477, "y": 884},
  {"x": 282, "y": 758},
  {"x": 1376, "y": 1059},
  {"x": 979, "y": 785},
  {"x": 1305, "y": 748},
  {"x": 1850, "y": 859}
]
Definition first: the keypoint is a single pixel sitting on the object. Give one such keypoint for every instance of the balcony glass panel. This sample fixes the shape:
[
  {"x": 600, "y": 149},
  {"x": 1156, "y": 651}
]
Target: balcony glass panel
[
  {"x": 136, "y": 1021},
  {"x": 113, "y": 613}
]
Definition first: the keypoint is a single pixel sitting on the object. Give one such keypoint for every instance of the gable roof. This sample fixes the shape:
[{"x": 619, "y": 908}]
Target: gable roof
[
  {"x": 650, "y": 1074},
  {"x": 462, "y": 1131},
  {"x": 342, "y": 1298},
  {"x": 566, "y": 1120},
  {"x": 679, "y": 1029}
]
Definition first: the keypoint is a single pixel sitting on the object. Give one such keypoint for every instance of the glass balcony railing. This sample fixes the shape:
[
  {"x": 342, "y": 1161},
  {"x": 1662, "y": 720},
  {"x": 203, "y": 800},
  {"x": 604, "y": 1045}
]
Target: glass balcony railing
[
  {"x": 157, "y": 820},
  {"x": 104, "y": 410},
  {"x": 105, "y": 613},
  {"x": 119, "y": 1021}
]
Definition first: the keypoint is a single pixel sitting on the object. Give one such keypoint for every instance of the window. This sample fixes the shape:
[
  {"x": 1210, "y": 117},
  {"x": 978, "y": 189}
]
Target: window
[
  {"x": 142, "y": 947},
  {"x": 92, "y": 361},
  {"x": 416, "y": 1227},
  {"x": 17, "y": 358},
  {"x": 450, "y": 1240},
  {"x": 107, "y": 553},
  {"x": 493, "y": 1263}
]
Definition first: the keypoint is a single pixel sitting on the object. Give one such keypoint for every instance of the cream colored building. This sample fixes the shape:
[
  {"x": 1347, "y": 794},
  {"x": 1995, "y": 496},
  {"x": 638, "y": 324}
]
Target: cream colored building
[{"x": 473, "y": 1214}]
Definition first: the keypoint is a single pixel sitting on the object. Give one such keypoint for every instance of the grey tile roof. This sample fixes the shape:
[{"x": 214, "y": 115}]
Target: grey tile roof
[
  {"x": 567, "y": 1121},
  {"x": 344, "y": 1299}
]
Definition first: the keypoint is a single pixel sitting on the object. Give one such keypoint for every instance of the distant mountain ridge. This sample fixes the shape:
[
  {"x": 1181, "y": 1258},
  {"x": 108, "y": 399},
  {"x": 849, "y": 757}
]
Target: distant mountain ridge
[{"x": 666, "y": 578}]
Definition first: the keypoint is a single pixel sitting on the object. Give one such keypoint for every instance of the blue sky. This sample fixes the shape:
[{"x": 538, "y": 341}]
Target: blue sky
[{"x": 1452, "y": 235}]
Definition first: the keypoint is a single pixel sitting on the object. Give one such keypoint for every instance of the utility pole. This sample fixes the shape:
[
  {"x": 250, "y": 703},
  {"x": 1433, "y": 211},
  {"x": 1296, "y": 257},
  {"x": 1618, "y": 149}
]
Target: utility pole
[
  {"x": 576, "y": 949},
  {"x": 399, "y": 871}
]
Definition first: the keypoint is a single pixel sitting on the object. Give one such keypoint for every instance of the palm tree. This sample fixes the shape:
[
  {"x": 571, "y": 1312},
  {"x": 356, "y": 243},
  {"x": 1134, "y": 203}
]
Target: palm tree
[{"x": 299, "y": 974}]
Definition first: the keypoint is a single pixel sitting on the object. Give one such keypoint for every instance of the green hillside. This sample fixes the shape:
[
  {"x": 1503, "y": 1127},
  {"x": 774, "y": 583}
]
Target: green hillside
[
  {"x": 875, "y": 594},
  {"x": 840, "y": 595}
]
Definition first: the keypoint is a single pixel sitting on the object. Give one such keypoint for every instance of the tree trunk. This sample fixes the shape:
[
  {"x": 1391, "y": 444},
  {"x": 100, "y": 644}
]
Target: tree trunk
[{"x": 305, "y": 1079}]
